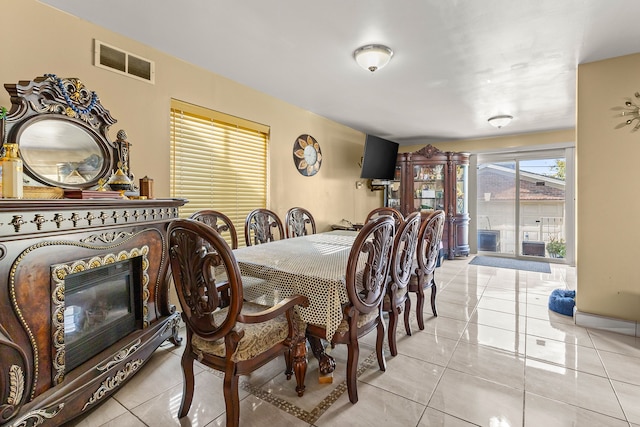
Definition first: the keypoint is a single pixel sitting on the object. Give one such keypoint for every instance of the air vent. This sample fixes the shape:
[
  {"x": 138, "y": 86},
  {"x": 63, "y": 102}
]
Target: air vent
[{"x": 122, "y": 62}]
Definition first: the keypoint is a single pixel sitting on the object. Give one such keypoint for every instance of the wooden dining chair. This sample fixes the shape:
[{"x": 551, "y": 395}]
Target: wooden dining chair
[
  {"x": 219, "y": 222},
  {"x": 429, "y": 238},
  {"x": 396, "y": 214},
  {"x": 366, "y": 279},
  {"x": 296, "y": 222},
  {"x": 258, "y": 225},
  {"x": 236, "y": 339},
  {"x": 397, "y": 297}
]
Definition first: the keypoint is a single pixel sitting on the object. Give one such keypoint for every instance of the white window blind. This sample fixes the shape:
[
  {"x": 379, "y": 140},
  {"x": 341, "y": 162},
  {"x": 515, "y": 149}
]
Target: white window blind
[{"x": 218, "y": 162}]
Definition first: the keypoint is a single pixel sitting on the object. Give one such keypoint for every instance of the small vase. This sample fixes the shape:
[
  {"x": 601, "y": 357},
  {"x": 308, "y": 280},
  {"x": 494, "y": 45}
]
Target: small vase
[{"x": 11, "y": 173}]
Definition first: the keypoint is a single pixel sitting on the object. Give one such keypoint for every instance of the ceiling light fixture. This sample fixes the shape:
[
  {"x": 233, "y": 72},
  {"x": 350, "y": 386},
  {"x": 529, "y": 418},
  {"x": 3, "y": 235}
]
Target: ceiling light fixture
[
  {"x": 500, "y": 121},
  {"x": 372, "y": 57}
]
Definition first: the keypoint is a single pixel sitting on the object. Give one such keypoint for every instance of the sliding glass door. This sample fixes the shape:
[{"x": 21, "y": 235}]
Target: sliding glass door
[
  {"x": 522, "y": 204},
  {"x": 497, "y": 205}
]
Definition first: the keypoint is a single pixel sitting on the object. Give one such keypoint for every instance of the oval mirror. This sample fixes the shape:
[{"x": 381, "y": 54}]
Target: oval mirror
[{"x": 61, "y": 153}]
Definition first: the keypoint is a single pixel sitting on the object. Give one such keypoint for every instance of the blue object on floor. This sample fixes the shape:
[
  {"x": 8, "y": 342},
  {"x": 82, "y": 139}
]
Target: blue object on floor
[{"x": 562, "y": 301}]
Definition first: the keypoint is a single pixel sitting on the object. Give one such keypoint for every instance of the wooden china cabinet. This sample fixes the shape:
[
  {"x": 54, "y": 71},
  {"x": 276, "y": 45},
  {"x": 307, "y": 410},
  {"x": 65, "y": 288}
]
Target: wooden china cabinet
[{"x": 430, "y": 179}]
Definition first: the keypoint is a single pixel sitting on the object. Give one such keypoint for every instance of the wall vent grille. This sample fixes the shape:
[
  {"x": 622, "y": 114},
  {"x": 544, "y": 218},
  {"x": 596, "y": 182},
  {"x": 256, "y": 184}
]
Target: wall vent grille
[{"x": 122, "y": 62}]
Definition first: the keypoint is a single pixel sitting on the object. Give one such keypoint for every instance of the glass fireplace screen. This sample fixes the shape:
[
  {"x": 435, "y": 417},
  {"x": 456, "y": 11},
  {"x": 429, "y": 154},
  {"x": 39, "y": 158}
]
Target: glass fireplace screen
[{"x": 102, "y": 305}]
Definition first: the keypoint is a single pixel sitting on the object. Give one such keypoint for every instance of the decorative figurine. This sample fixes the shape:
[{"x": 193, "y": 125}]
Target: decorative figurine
[{"x": 123, "y": 156}]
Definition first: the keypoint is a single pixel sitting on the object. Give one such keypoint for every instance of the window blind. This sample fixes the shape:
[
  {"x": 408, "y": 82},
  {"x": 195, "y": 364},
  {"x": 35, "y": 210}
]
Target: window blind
[{"x": 218, "y": 162}]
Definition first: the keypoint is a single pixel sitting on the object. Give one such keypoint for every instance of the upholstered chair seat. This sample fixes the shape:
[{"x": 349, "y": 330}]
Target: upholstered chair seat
[{"x": 257, "y": 337}]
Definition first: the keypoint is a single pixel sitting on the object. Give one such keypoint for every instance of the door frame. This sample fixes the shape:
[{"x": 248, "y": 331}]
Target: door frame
[{"x": 566, "y": 151}]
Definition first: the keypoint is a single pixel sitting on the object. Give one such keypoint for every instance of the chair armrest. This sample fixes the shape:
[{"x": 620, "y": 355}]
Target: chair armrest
[{"x": 275, "y": 311}]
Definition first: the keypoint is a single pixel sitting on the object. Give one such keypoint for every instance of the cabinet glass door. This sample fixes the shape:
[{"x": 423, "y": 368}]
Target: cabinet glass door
[
  {"x": 394, "y": 190},
  {"x": 461, "y": 189},
  {"x": 428, "y": 187}
]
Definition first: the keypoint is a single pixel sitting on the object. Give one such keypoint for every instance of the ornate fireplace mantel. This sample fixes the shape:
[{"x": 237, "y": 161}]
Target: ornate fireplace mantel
[{"x": 40, "y": 238}]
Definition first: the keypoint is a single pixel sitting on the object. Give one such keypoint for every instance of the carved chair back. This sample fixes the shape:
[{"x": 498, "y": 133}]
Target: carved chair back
[
  {"x": 402, "y": 259},
  {"x": 296, "y": 222},
  {"x": 429, "y": 242},
  {"x": 258, "y": 227},
  {"x": 429, "y": 238},
  {"x": 366, "y": 281},
  {"x": 197, "y": 251},
  {"x": 396, "y": 214},
  {"x": 219, "y": 222}
]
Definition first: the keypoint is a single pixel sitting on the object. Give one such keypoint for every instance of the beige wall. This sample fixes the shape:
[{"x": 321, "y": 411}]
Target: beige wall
[
  {"x": 55, "y": 42},
  {"x": 608, "y": 191}
]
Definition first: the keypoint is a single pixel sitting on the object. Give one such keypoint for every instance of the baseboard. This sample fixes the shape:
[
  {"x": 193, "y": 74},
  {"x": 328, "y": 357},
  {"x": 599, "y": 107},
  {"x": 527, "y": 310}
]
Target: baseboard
[{"x": 620, "y": 326}]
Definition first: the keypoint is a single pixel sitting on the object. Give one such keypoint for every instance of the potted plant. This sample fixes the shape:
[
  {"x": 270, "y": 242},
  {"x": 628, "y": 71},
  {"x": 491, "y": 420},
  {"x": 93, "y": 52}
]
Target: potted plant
[{"x": 557, "y": 248}]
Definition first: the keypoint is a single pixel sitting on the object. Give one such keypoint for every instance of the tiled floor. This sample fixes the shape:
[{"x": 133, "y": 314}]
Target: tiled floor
[{"x": 495, "y": 356}]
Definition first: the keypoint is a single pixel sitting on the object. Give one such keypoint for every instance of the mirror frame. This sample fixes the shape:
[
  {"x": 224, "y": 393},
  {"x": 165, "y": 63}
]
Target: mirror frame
[{"x": 51, "y": 98}]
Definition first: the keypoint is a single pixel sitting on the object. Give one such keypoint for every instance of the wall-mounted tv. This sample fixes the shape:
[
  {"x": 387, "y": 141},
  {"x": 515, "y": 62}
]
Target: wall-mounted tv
[{"x": 379, "y": 161}]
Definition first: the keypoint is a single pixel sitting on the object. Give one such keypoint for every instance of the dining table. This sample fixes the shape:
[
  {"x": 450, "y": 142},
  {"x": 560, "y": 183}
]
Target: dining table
[{"x": 312, "y": 265}]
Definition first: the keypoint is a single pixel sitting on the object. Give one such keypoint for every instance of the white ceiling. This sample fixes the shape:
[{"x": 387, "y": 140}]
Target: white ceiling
[{"x": 456, "y": 62}]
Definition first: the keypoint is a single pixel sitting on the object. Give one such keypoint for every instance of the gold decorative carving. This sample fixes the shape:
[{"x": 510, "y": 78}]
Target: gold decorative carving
[
  {"x": 107, "y": 237},
  {"x": 59, "y": 273},
  {"x": 17, "y": 222},
  {"x": 39, "y": 416},
  {"x": 58, "y": 219},
  {"x": 16, "y": 385},
  {"x": 122, "y": 354},
  {"x": 38, "y": 220},
  {"x": 103, "y": 216},
  {"x": 77, "y": 93},
  {"x": 171, "y": 324},
  {"x": 111, "y": 383},
  {"x": 90, "y": 217}
]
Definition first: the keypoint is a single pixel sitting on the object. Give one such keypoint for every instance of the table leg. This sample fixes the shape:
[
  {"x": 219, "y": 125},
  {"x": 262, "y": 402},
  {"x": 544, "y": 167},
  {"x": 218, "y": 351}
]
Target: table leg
[
  {"x": 326, "y": 363},
  {"x": 300, "y": 365}
]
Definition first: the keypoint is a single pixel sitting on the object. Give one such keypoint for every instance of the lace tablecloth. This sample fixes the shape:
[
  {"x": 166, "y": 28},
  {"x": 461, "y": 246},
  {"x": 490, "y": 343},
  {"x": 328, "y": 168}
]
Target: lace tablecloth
[{"x": 312, "y": 265}]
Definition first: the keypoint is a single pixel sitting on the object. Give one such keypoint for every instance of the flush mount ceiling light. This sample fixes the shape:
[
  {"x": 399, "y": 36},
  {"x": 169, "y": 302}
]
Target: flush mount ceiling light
[
  {"x": 500, "y": 121},
  {"x": 372, "y": 57}
]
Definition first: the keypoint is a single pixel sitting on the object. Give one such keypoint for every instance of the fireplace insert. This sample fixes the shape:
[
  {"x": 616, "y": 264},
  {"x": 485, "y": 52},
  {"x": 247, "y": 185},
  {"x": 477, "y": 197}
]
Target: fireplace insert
[{"x": 102, "y": 305}]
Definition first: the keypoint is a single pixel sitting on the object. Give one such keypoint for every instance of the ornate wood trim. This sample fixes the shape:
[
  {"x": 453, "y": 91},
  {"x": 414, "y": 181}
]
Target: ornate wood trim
[
  {"x": 59, "y": 273},
  {"x": 428, "y": 151}
]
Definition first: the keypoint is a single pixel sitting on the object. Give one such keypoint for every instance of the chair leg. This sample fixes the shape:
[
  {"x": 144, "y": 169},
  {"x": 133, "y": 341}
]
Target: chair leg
[
  {"x": 288, "y": 359},
  {"x": 379, "y": 343},
  {"x": 420, "y": 307},
  {"x": 231, "y": 398},
  {"x": 434, "y": 289},
  {"x": 188, "y": 383},
  {"x": 353, "y": 351},
  {"x": 393, "y": 322},
  {"x": 407, "y": 310}
]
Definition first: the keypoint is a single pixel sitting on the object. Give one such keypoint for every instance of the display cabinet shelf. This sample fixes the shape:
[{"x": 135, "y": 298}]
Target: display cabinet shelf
[{"x": 430, "y": 179}]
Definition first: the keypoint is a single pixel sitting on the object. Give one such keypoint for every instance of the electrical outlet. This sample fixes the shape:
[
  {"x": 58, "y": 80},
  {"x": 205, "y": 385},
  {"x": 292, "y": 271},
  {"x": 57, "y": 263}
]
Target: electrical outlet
[{"x": 358, "y": 185}]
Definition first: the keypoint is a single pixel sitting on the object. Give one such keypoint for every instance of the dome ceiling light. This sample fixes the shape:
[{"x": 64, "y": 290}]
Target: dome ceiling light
[
  {"x": 500, "y": 121},
  {"x": 373, "y": 57}
]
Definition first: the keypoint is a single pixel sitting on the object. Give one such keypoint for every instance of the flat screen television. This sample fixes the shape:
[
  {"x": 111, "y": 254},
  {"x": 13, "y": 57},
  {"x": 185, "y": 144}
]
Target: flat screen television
[{"x": 379, "y": 161}]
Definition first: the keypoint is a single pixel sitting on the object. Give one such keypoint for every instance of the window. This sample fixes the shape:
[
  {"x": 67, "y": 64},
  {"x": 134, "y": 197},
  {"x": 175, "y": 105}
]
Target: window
[{"x": 217, "y": 162}]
